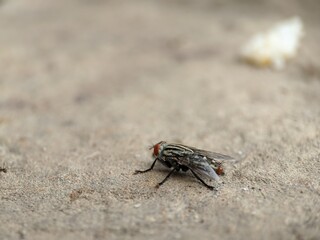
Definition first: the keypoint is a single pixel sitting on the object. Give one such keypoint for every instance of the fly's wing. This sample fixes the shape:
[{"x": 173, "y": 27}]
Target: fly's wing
[
  {"x": 199, "y": 165},
  {"x": 213, "y": 156}
]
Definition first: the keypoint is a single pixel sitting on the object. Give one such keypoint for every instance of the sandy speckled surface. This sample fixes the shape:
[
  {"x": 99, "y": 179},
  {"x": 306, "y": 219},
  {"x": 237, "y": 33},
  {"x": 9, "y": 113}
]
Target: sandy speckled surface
[{"x": 87, "y": 86}]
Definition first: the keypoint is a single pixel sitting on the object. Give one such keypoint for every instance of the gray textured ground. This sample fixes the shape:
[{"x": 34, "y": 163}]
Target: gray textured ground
[{"x": 87, "y": 86}]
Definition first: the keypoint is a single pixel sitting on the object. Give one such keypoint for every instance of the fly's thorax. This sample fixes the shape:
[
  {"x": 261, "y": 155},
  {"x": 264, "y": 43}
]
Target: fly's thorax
[{"x": 174, "y": 150}]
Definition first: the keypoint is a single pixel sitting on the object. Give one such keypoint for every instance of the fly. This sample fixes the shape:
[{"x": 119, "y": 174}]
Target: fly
[{"x": 201, "y": 163}]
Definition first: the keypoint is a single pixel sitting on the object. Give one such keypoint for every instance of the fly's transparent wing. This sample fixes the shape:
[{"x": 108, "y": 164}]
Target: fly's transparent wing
[
  {"x": 199, "y": 165},
  {"x": 214, "y": 155}
]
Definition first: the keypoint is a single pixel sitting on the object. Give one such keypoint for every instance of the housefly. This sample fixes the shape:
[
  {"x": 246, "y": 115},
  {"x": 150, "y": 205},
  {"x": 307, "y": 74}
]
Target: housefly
[{"x": 201, "y": 163}]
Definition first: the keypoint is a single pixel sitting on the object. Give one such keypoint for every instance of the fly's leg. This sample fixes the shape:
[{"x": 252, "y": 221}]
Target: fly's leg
[
  {"x": 147, "y": 170},
  {"x": 208, "y": 186},
  {"x": 166, "y": 178}
]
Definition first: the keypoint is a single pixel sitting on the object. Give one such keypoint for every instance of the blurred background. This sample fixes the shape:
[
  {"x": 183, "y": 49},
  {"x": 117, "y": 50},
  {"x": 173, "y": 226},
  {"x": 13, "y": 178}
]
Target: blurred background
[{"x": 87, "y": 85}]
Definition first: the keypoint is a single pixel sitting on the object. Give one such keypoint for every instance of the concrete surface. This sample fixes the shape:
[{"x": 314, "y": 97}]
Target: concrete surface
[{"x": 87, "y": 86}]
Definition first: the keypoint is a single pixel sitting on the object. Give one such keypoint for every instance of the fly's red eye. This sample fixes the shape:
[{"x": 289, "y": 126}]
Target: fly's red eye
[
  {"x": 220, "y": 171},
  {"x": 156, "y": 149}
]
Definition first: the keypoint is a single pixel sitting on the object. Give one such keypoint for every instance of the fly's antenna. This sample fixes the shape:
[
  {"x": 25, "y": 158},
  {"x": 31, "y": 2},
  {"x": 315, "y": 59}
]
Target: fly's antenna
[
  {"x": 151, "y": 146},
  {"x": 156, "y": 144}
]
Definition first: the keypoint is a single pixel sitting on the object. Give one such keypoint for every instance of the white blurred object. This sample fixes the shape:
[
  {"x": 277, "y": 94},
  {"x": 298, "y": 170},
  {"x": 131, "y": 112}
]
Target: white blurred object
[{"x": 275, "y": 46}]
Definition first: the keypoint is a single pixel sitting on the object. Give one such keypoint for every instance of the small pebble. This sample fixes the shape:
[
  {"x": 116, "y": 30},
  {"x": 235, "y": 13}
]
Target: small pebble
[{"x": 137, "y": 205}]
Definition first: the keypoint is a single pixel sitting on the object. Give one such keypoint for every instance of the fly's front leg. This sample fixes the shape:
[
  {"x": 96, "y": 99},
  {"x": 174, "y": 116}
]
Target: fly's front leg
[{"x": 147, "y": 170}]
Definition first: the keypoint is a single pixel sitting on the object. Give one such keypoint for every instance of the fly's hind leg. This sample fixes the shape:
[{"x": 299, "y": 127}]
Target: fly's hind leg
[{"x": 208, "y": 186}]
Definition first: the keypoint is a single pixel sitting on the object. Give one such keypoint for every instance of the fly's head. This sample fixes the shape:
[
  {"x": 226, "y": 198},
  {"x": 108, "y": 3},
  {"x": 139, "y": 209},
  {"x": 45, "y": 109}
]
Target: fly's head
[{"x": 158, "y": 149}]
